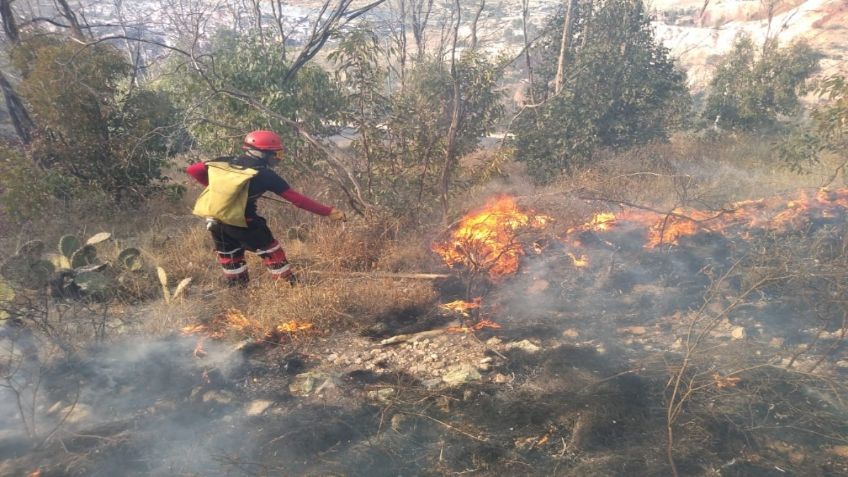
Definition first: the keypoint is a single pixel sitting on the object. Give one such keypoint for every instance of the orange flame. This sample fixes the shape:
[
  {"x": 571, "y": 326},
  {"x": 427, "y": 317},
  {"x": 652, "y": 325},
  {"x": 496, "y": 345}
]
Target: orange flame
[
  {"x": 293, "y": 327},
  {"x": 482, "y": 324},
  {"x": 487, "y": 240},
  {"x": 773, "y": 213},
  {"x": 579, "y": 261},
  {"x": 235, "y": 320},
  {"x": 463, "y": 307}
]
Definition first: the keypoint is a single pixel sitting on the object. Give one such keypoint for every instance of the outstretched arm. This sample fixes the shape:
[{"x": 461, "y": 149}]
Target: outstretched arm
[
  {"x": 302, "y": 202},
  {"x": 197, "y": 171}
]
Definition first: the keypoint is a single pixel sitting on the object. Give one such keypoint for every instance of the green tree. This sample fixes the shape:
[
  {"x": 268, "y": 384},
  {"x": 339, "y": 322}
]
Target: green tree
[
  {"x": 362, "y": 78},
  {"x": 418, "y": 123},
  {"x": 827, "y": 130},
  {"x": 619, "y": 88},
  {"x": 751, "y": 89},
  {"x": 402, "y": 138},
  {"x": 92, "y": 127},
  {"x": 245, "y": 63}
]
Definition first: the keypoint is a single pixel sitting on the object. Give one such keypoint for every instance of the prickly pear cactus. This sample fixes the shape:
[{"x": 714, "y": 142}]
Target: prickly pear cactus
[
  {"x": 163, "y": 280},
  {"x": 68, "y": 244},
  {"x": 93, "y": 282},
  {"x": 87, "y": 255},
  {"x": 97, "y": 238},
  {"x": 58, "y": 261},
  {"x": 130, "y": 259},
  {"x": 32, "y": 249},
  {"x": 27, "y": 272}
]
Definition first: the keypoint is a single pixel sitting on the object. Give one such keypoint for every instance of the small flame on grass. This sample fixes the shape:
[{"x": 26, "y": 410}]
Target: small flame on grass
[
  {"x": 722, "y": 382},
  {"x": 194, "y": 329},
  {"x": 602, "y": 221},
  {"x": 35, "y": 473},
  {"x": 480, "y": 325},
  {"x": 235, "y": 320},
  {"x": 463, "y": 307},
  {"x": 293, "y": 327},
  {"x": 580, "y": 262},
  {"x": 773, "y": 213}
]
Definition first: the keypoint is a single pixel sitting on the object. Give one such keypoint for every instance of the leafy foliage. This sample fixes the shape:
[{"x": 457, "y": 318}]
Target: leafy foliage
[
  {"x": 750, "y": 91},
  {"x": 247, "y": 64},
  {"x": 25, "y": 190},
  {"x": 402, "y": 135},
  {"x": 94, "y": 127},
  {"x": 362, "y": 77},
  {"x": 418, "y": 123},
  {"x": 620, "y": 89},
  {"x": 827, "y": 130}
]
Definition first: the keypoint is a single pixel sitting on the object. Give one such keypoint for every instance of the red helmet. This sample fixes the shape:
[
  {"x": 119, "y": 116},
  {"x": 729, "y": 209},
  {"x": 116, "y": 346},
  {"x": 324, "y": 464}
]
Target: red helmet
[{"x": 263, "y": 141}]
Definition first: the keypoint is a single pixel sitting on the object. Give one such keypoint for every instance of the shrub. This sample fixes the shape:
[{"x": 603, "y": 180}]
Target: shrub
[
  {"x": 620, "y": 89},
  {"x": 750, "y": 91},
  {"x": 95, "y": 129}
]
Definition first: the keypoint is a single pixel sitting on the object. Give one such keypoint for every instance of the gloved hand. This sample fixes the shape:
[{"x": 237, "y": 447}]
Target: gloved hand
[{"x": 338, "y": 215}]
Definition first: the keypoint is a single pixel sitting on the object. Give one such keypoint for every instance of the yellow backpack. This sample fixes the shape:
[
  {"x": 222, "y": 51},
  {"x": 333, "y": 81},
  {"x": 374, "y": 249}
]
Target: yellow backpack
[{"x": 225, "y": 198}]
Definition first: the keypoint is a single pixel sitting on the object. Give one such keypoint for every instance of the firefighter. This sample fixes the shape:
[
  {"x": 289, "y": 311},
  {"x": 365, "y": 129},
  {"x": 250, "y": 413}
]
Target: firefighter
[{"x": 233, "y": 185}]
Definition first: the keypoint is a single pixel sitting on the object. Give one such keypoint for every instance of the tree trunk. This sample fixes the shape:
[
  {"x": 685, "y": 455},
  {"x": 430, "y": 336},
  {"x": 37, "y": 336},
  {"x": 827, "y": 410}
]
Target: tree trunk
[
  {"x": 73, "y": 22},
  {"x": 420, "y": 17},
  {"x": 565, "y": 44},
  {"x": 525, "y": 10},
  {"x": 17, "y": 111},
  {"x": 450, "y": 149},
  {"x": 474, "y": 40},
  {"x": 10, "y": 25}
]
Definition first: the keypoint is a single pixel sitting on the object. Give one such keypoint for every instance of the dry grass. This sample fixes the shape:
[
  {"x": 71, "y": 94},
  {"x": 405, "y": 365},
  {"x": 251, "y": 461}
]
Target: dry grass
[
  {"x": 686, "y": 171},
  {"x": 325, "y": 297}
]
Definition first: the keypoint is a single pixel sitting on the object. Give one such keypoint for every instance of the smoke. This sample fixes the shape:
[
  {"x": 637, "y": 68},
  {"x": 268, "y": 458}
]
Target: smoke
[{"x": 130, "y": 407}]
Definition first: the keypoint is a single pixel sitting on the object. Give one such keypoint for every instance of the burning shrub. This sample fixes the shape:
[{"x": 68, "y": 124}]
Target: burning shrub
[{"x": 486, "y": 242}]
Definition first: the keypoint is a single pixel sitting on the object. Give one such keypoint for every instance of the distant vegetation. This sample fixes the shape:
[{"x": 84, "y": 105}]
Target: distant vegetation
[{"x": 93, "y": 121}]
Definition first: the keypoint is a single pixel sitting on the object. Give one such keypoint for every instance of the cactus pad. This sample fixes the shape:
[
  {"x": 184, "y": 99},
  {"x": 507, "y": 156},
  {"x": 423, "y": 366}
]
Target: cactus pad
[
  {"x": 68, "y": 244},
  {"x": 92, "y": 282},
  {"x": 84, "y": 256},
  {"x": 27, "y": 272},
  {"x": 130, "y": 259},
  {"x": 32, "y": 249},
  {"x": 97, "y": 238},
  {"x": 58, "y": 261}
]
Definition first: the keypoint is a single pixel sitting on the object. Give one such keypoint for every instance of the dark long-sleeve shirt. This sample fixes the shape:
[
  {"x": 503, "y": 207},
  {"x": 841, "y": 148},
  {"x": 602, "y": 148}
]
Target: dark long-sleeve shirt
[{"x": 265, "y": 180}]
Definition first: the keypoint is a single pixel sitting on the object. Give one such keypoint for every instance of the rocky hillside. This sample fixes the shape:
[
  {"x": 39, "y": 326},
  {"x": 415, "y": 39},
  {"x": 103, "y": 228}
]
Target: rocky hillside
[{"x": 698, "y": 36}]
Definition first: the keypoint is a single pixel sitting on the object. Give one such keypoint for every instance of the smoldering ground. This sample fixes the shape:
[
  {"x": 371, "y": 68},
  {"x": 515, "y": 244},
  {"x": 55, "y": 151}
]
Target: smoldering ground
[{"x": 134, "y": 407}]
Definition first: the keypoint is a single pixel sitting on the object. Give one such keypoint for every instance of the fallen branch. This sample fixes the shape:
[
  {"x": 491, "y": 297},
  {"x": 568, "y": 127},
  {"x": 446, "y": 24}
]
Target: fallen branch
[
  {"x": 409, "y": 276},
  {"x": 412, "y": 336}
]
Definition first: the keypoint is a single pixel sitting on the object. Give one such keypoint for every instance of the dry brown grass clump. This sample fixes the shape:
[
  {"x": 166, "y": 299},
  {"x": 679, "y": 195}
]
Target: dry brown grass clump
[{"x": 332, "y": 265}]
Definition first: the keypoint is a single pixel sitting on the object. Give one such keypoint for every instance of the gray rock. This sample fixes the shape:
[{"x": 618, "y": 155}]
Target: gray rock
[
  {"x": 461, "y": 374},
  {"x": 382, "y": 395},
  {"x": 218, "y": 397},
  {"x": 255, "y": 408},
  {"x": 524, "y": 345},
  {"x": 312, "y": 382}
]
